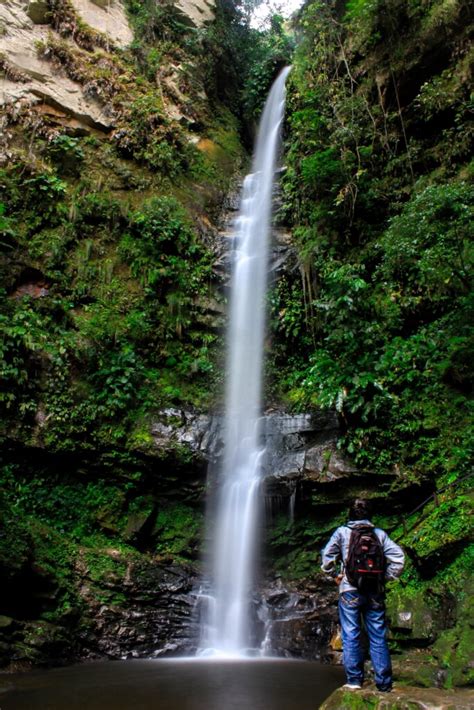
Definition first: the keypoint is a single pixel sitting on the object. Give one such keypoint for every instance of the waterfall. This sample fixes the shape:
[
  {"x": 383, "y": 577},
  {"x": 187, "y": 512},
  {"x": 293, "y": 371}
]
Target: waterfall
[{"x": 227, "y": 628}]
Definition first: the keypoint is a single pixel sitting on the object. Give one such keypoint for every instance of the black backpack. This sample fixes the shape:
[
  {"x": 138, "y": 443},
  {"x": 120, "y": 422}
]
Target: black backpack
[{"x": 365, "y": 563}]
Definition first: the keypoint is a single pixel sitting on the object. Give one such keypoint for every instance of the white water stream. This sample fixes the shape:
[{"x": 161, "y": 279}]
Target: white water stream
[{"x": 226, "y": 631}]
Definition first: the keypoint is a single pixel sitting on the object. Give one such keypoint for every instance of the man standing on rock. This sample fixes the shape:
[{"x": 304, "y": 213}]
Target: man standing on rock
[{"x": 361, "y": 558}]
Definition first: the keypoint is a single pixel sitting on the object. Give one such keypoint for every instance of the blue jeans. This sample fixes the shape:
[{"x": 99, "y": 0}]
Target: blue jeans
[{"x": 352, "y": 607}]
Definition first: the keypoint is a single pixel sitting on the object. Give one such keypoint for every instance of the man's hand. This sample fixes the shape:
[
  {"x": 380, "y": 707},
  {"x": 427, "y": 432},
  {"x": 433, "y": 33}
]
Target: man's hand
[{"x": 338, "y": 579}]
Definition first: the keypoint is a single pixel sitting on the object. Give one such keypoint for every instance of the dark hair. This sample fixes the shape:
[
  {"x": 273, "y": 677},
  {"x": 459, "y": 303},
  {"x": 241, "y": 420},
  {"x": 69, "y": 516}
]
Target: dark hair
[{"x": 360, "y": 509}]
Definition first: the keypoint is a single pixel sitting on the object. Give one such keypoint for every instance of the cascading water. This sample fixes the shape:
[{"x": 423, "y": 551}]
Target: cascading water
[{"x": 226, "y": 629}]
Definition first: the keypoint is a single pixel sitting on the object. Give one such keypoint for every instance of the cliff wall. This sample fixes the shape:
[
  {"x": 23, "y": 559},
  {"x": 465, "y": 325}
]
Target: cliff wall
[
  {"x": 120, "y": 161},
  {"x": 116, "y": 158}
]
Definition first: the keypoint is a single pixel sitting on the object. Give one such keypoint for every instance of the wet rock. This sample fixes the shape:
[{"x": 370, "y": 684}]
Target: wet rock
[
  {"x": 146, "y": 610},
  {"x": 300, "y": 620},
  {"x": 40, "y": 642},
  {"x": 297, "y": 447},
  {"x": 284, "y": 465},
  {"x": 290, "y": 442},
  {"x": 198, "y": 433},
  {"x": 401, "y": 698},
  {"x": 137, "y": 524},
  {"x": 301, "y": 448},
  {"x": 283, "y": 255},
  {"x": 416, "y": 666},
  {"x": 453, "y": 651}
]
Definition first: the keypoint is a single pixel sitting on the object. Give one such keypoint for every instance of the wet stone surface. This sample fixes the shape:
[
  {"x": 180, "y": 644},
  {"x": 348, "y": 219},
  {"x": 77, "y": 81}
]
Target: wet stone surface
[
  {"x": 300, "y": 620},
  {"x": 150, "y": 612},
  {"x": 302, "y": 445}
]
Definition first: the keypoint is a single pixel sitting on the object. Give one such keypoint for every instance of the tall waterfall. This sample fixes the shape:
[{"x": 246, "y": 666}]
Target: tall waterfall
[{"x": 227, "y": 628}]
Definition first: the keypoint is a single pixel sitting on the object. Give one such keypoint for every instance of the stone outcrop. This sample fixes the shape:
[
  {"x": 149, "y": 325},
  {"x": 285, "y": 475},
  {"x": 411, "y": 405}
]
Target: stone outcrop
[
  {"x": 198, "y": 12},
  {"x": 127, "y": 607},
  {"x": 31, "y": 80},
  {"x": 400, "y": 698},
  {"x": 300, "y": 620},
  {"x": 302, "y": 446},
  {"x": 283, "y": 255},
  {"x": 107, "y": 16},
  {"x": 27, "y": 79},
  {"x": 146, "y": 608},
  {"x": 298, "y": 447},
  {"x": 198, "y": 433},
  {"x": 412, "y": 616}
]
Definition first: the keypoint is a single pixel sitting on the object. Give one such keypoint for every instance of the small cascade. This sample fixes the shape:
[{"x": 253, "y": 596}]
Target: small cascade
[
  {"x": 226, "y": 626},
  {"x": 291, "y": 507}
]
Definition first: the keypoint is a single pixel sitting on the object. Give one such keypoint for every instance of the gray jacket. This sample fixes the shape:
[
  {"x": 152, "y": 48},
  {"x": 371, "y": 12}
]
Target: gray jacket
[{"x": 335, "y": 554}]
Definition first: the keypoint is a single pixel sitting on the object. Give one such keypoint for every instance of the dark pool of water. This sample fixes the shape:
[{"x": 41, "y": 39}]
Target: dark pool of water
[{"x": 173, "y": 685}]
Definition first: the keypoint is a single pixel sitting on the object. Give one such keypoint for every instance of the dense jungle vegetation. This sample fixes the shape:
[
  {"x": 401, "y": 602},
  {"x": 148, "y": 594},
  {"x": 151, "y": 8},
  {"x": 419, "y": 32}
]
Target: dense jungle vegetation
[
  {"x": 111, "y": 309},
  {"x": 378, "y": 323}
]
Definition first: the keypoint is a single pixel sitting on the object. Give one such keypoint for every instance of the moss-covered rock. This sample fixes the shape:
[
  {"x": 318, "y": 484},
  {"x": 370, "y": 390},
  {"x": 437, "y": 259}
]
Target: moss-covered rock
[
  {"x": 399, "y": 699},
  {"x": 453, "y": 650},
  {"x": 411, "y": 615}
]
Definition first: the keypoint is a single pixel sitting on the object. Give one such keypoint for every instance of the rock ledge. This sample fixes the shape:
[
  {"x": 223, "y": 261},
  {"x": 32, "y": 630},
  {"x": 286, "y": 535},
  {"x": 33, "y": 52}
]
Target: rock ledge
[{"x": 401, "y": 698}]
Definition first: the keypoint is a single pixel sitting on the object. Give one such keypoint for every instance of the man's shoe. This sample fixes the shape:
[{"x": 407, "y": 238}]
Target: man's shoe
[
  {"x": 352, "y": 686},
  {"x": 385, "y": 690}
]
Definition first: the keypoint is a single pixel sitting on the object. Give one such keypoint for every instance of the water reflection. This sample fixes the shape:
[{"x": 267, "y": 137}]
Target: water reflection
[{"x": 173, "y": 685}]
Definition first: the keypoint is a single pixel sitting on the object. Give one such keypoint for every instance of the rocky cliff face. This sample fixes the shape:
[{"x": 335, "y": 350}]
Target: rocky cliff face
[
  {"x": 118, "y": 159},
  {"x": 378, "y": 155},
  {"x": 138, "y": 595},
  {"x": 31, "y": 80},
  {"x": 105, "y": 115},
  {"x": 29, "y": 77}
]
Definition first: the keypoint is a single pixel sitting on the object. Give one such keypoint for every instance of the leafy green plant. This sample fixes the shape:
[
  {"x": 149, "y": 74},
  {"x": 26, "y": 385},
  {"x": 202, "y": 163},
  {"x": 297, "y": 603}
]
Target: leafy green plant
[
  {"x": 7, "y": 232},
  {"x": 427, "y": 249},
  {"x": 178, "y": 528},
  {"x": 272, "y": 49},
  {"x": 160, "y": 246}
]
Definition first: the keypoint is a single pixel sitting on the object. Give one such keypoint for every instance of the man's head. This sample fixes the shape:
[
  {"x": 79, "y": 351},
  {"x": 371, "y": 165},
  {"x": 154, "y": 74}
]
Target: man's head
[{"x": 360, "y": 509}]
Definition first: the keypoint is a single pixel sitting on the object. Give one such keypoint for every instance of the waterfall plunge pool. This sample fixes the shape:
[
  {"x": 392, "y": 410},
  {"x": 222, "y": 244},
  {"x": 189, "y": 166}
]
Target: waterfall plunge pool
[{"x": 173, "y": 684}]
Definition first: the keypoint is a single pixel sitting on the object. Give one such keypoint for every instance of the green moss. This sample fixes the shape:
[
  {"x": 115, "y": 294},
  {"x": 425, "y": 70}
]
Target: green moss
[
  {"x": 411, "y": 614},
  {"x": 453, "y": 650},
  {"x": 294, "y": 548},
  {"x": 104, "y": 566},
  {"x": 347, "y": 700},
  {"x": 15, "y": 541},
  {"x": 447, "y": 522},
  {"x": 65, "y": 504},
  {"x": 178, "y": 531}
]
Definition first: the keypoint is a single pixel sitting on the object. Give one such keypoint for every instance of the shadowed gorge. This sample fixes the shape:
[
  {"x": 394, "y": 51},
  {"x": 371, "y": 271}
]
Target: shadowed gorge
[{"x": 126, "y": 132}]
